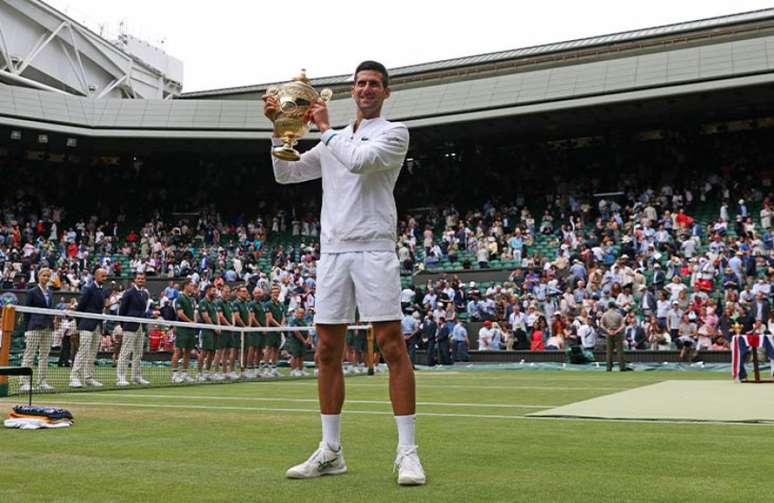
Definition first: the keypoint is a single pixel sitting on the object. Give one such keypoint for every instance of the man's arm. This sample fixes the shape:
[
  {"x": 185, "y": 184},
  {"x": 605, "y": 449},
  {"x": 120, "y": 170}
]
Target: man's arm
[
  {"x": 238, "y": 319},
  {"x": 270, "y": 321},
  {"x": 222, "y": 320},
  {"x": 123, "y": 307},
  {"x": 385, "y": 152},
  {"x": 182, "y": 316},
  {"x": 305, "y": 169},
  {"x": 206, "y": 317},
  {"x": 84, "y": 300}
]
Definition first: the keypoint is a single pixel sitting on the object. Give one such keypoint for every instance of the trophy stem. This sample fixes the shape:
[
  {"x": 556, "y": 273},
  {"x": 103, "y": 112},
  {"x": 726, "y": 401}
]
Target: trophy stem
[{"x": 286, "y": 152}]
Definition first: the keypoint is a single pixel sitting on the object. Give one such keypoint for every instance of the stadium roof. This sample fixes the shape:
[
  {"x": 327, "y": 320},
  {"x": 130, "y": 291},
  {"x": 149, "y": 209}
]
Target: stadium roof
[
  {"x": 729, "y": 56},
  {"x": 502, "y": 56}
]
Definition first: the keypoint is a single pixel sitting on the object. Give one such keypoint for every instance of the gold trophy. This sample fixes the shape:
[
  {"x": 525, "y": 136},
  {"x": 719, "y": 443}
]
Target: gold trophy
[{"x": 293, "y": 100}]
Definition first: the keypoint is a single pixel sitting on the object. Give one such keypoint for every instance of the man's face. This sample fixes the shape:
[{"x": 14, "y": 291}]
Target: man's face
[
  {"x": 43, "y": 277},
  {"x": 258, "y": 294},
  {"x": 242, "y": 293},
  {"x": 369, "y": 92},
  {"x": 100, "y": 275},
  {"x": 188, "y": 289},
  {"x": 139, "y": 280},
  {"x": 227, "y": 292},
  {"x": 275, "y": 294}
]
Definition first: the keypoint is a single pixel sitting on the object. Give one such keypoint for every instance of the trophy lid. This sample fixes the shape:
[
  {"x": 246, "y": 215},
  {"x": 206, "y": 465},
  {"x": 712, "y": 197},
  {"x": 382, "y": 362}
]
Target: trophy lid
[{"x": 301, "y": 77}]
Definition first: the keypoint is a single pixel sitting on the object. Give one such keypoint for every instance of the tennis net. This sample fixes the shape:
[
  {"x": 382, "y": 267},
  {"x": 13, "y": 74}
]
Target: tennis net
[{"x": 70, "y": 350}]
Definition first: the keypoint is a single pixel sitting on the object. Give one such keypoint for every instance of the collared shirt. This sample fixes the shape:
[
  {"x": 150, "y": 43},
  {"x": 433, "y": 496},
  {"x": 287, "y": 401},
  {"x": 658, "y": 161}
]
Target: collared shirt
[
  {"x": 408, "y": 325},
  {"x": 358, "y": 170},
  {"x": 459, "y": 333}
]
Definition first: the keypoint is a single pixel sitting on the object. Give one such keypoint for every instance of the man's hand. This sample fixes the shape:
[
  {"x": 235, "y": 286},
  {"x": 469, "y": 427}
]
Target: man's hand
[
  {"x": 318, "y": 113},
  {"x": 270, "y": 107}
]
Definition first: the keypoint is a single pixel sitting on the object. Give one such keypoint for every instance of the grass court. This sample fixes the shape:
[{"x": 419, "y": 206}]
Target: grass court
[{"x": 233, "y": 442}]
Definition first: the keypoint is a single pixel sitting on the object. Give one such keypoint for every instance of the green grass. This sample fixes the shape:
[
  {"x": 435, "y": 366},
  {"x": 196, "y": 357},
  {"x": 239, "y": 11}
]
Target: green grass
[{"x": 233, "y": 443}]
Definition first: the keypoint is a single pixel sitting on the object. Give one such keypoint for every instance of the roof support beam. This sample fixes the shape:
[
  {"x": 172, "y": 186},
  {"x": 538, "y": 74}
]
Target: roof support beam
[
  {"x": 112, "y": 86},
  {"x": 42, "y": 43},
  {"x": 5, "y": 74},
  {"x": 4, "y": 50},
  {"x": 81, "y": 72}
]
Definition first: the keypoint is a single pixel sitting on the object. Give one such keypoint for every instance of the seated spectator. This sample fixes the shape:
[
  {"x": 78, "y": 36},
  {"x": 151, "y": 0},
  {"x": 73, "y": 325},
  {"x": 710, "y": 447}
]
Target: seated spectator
[
  {"x": 536, "y": 338},
  {"x": 719, "y": 343}
]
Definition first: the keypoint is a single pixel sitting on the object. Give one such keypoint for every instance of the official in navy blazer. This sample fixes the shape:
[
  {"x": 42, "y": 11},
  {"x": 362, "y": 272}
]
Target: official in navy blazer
[
  {"x": 38, "y": 331},
  {"x": 93, "y": 300},
  {"x": 134, "y": 303}
]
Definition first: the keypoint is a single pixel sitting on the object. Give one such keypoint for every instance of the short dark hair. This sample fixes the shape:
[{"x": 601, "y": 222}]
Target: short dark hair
[{"x": 375, "y": 66}]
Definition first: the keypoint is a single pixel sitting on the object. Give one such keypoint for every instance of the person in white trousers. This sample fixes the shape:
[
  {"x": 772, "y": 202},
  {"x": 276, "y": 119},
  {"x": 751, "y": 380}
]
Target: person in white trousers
[
  {"x": 134, "y": 303},
  {"x": 37, "y": 333},
  {"x": 92, "y": 300}
]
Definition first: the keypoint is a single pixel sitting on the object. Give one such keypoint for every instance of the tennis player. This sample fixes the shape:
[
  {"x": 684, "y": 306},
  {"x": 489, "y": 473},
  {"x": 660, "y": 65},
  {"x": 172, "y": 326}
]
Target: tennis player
[{"x": 358, "y": 266}]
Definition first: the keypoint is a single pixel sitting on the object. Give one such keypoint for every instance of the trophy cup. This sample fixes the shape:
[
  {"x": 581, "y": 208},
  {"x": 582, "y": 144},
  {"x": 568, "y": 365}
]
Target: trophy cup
[{"x": 293, "y": 100}]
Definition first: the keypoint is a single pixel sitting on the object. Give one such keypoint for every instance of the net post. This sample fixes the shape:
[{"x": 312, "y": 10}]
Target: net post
[
  {"x": 242, "y": 356},
  {"x": 370, "y": 348},
  {"x": 8, "y": 324},
  {"x": 756, "y": 367}
]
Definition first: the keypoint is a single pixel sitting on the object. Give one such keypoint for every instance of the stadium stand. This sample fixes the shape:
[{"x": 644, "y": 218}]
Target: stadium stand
[{"x": 534, "y": 193}]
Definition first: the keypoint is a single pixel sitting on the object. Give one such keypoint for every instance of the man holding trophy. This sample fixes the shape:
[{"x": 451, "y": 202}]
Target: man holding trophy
[{"x": 358, "y": 266}]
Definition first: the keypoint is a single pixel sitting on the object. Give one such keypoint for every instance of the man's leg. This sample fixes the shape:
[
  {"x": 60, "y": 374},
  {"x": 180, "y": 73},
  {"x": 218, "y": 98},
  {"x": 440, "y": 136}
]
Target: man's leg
[
  {"x": 609, "y": 343},
  {"x": 79, "y": 362},
  {"x": 403, "y": 398},
  {"x": 175, "y": 359},
  {"x": 127, "y": 343},
  {"x": 620, "y": 349},
  {"x": 430, "y": 353},
  {"x": 31, "y": 343},
  {"x": 137, "y": 350},
  {"x": 330, "y": 382},
  {"x": 96, "y": 337},
  {"x": 44, "y": 349},
  {"x": 186, "y": 359},
  {"x": 443, "y": 349},
  {"x": 328, "y": 459},
  {"x": 64, "y": 352},
  {"x": 402, "y": 386},
  {"x": 411, "y": 348}
]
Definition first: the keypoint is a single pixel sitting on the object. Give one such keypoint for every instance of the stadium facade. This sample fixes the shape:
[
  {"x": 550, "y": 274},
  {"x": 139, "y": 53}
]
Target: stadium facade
[{"x": 715, "y": 69}]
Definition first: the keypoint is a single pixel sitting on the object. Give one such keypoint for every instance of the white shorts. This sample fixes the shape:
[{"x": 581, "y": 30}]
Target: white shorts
[{"x": 369, "y": 280}]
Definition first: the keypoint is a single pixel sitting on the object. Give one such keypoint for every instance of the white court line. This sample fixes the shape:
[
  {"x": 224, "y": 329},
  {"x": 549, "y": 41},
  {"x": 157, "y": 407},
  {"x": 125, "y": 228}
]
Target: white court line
[
  {"x": 311, "y": 400},
  {"x": 436, "y": 385},
  {"x": 270, "y": 409},
  {"x": 381, "y": 413}
]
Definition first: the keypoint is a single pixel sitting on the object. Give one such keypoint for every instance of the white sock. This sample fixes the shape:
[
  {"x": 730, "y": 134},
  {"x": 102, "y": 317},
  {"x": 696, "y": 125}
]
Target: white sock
[
  {"x": 406, "y": 433},
  {"x": 331, "y": 430}
]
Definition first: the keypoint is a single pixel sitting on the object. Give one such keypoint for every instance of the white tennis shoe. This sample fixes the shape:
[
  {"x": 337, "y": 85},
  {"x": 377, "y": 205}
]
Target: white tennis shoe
[
  {"x": 44, "y": 386},
  {"x": 410, "y": 471},
  {"x": 324, "y": 461}
]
